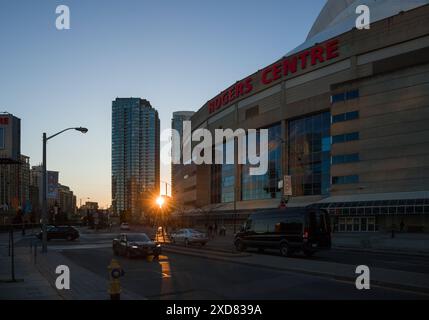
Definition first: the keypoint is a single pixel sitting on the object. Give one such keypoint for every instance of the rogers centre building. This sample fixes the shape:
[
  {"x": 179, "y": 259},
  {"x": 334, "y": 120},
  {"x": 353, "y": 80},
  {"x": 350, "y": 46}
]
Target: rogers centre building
[{"x": 348, "y": 119}]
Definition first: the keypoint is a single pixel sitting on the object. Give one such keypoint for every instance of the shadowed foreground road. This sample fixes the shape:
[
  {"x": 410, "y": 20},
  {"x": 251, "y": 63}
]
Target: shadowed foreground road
[{"x": 177, "y": 276}]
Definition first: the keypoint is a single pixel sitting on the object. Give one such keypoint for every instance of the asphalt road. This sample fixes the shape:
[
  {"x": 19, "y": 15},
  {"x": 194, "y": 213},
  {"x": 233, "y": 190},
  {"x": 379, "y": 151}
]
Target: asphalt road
[
  {"x": 178, "y": 276},
  {"x": 410, "y": 263},
  {"x": 419, "y": 264}
]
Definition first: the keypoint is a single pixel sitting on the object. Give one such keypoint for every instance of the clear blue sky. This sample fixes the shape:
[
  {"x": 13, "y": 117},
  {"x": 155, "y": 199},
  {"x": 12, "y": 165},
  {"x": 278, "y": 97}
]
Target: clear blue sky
[{"x": 176, "y": 53}]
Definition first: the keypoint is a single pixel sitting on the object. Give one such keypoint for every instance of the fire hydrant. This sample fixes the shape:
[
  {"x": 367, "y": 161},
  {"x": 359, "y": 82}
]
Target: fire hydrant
[{"x": 115, "y": 272}]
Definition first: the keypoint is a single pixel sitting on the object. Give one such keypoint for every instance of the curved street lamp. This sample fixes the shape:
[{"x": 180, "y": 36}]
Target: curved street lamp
[{"x": 45, "y": 200}]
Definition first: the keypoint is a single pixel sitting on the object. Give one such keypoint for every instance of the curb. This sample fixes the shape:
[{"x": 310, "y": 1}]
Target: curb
[
  {"x": 232, "y": 252},
  {"x": 390, "y": 251},
  {"x": 202, "y": 252}
]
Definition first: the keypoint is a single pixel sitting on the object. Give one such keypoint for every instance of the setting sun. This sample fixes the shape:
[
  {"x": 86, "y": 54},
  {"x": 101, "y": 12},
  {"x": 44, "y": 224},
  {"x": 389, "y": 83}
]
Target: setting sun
[{"x": 160, "y": 201}]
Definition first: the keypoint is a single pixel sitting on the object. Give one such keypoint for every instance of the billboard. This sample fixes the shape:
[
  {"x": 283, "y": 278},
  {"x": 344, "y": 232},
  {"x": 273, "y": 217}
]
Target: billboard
[
  {"x": 10, "y": 138},
  {"x": 52, "y": 184}
]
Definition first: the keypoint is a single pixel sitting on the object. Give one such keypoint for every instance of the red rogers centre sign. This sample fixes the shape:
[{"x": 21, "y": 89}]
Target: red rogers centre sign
[{"x": 279, "y": 70}]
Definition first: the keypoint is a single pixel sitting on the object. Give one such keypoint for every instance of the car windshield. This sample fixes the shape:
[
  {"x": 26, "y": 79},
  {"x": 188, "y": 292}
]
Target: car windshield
[{"x": 138, "y": 237}]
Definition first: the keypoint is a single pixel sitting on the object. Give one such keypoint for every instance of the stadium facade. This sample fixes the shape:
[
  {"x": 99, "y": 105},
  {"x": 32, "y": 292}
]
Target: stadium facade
[{"x": 347, "y": 113}]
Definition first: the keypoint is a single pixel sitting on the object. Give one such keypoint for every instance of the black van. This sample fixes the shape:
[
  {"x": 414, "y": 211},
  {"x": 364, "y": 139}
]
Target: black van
[{"x": 290, "y": 230}]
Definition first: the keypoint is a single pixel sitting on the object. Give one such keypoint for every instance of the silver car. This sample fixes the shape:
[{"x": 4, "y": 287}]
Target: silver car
[{"x": 189, "y": 237}]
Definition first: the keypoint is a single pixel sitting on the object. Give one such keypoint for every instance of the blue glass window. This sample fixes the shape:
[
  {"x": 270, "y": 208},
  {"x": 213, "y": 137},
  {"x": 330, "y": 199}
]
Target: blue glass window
[
  {"x": 345, "y": 137},
  {"x": 345, "y": 116},
  {"x": 345, "y": 179},
  {"x": 265, "y": 186},
  {"x": 345, "y": 158},
  {"x": 344, "y": 96},
  {"x": 310, "y": 154}
]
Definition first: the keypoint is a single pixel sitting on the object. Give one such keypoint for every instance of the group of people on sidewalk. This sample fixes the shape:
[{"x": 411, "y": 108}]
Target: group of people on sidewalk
[{"x": 213, "y": 230}]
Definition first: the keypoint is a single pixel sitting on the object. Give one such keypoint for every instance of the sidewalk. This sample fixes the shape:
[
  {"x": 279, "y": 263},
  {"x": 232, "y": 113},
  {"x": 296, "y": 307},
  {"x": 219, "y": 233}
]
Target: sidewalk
[
  {"x": 403, "y": 243},
  {"x": 39, "y": 279},
  {"x": 31, "y": 284},
  {"x": 84, "y": 284},
  {"x": 411, "y": 243}
]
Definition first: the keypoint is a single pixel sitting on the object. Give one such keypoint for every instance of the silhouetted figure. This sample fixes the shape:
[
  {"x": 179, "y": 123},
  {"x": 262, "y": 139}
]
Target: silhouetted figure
[
  {"x": 210, "y": 231},
  {"x": 402, "y": 226},
  {"x": 223, "y": 231}
]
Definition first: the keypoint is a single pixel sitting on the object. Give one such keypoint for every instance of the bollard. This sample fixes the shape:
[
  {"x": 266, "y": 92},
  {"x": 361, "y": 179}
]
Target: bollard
[
  {"x": 9, "y": 246},
  {"x": 35, "y": 252},
  {"x": 12, "y": 253},
  {"x": 115, "y": 272}
]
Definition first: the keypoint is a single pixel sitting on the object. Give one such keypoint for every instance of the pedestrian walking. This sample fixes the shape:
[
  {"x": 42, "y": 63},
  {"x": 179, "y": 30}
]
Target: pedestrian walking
[
  {"x": 402, "y": 226},
  {"x": 223, "y": 230},
  {"x": 210, "y": 231}
]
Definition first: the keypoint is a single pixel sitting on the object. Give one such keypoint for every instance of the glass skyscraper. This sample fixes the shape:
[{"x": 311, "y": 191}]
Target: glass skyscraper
[
  {"x": 135, "y": 156},
  {"x": 178, "y": 170}
]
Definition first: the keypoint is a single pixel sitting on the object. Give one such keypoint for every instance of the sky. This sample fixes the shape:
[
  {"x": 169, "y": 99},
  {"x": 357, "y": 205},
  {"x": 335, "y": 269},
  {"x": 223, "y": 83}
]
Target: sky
[{"x": 178, "y": 54}]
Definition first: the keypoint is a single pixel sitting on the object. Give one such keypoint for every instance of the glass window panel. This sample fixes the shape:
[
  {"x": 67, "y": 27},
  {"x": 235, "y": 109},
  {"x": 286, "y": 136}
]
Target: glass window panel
[{"x": 309, "y": 154}]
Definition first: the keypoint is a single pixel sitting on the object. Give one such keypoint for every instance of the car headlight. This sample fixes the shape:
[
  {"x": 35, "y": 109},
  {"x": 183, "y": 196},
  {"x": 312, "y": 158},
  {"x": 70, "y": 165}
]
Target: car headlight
[
  {"x": 158, "y": 246},
  {"x": 134, "y": 247}
]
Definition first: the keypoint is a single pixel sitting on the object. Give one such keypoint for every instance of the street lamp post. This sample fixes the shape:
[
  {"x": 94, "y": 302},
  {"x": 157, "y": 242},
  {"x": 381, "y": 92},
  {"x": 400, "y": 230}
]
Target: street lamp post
[
  {"x": 44, "y": 191},
  {"x": 166, "y": 188}
]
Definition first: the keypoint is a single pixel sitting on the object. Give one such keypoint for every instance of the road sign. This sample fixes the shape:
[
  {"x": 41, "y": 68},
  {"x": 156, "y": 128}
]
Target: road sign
[{"x": 287, "y": 185}]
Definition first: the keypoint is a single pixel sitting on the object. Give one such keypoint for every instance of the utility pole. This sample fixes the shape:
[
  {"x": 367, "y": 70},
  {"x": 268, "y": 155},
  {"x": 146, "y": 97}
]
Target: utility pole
[
  {"x": 44, "y": 183},
  {"x": 44, "y": 200}
]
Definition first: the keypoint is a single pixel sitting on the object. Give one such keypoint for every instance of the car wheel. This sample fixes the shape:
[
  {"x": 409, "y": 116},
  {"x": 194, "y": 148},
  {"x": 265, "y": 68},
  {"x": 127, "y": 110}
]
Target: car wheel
[
  {"x": 239, "y": 245},
  {"x": 284, "y": 250},
  {"x": 186, "y": 242}
]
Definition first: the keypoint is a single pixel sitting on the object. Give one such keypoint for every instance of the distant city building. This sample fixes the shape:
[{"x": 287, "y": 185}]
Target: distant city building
[
  {"x": 36, "y": 179},
  {"x": 178, "y": 171},
  {"x": 24, "y": 184},
  {"x": 90, "y": 205},
  {"x": 36, "y": 174},
  {"x": 11, "y": 191},
  {"x": 34, "y": 200},
  {"x": 10, "y": 139},
  {"x": 61, "y": 199},
  {"x": 66, "y": 201},
  {"x": 135, "y": 155}
]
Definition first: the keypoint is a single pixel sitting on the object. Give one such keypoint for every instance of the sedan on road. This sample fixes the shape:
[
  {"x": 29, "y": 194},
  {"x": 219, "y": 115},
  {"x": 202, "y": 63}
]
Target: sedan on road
[
  {"x": 60, "y": 232},
  {"x": 125, "y": 226},
  {"x": 188, "y": 237},
  {"x": 135, "y": 245}
]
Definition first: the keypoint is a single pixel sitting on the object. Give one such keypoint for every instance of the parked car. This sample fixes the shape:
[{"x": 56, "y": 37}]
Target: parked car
[
  {"x": 189, "y": 237},
  {"x": 289, "y": 230},
  {"x": 135, "y": 245},
  {"x": 60, "y": 232},
  {"x": 125, "y": 226}
]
